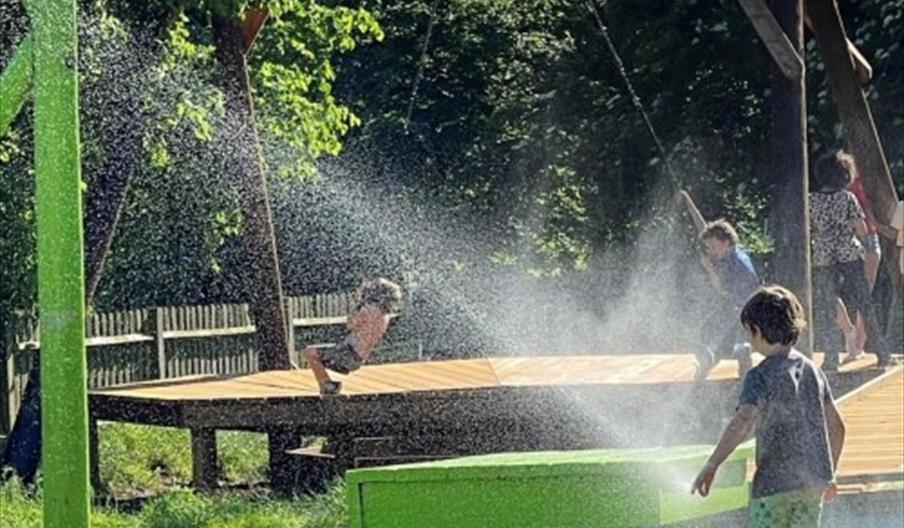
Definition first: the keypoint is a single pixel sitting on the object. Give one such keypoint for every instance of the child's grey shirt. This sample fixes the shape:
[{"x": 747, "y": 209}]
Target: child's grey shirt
[{"x": 792, "y": 442}]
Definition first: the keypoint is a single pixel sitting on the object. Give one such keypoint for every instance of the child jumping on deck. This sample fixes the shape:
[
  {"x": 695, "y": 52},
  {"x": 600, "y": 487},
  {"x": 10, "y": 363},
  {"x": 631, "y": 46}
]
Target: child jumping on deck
[
  {"x": 787, "y": 400},
  {"x": 836, "y": 220},
  {"x": 366, "y": 324},
  {"x": 732, "y": 275}
]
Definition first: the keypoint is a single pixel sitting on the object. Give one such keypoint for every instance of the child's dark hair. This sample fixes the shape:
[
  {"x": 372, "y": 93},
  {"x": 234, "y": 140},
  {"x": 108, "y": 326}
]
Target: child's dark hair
[
  {"x": 382, "y": 293},
  {"x": 776, "y": 314},
  {"x": 834, "y": 171},
  {"x": 721, "y": 230}
]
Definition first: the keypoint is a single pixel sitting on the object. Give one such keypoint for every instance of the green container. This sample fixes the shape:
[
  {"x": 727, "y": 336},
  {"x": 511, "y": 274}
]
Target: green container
[{"x": 608, "y": 487}]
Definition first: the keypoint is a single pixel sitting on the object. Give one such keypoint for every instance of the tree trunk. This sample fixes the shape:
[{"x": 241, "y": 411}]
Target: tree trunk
[
  {"x": 265, "y": 292},
  {"x": 789, "y": 154},
  {"x": 106, "y": 196}
]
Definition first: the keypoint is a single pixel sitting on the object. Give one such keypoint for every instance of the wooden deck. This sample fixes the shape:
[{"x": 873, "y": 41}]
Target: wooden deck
[
  {"x": 873, "y": 452},
  {"x": 454, "y": 407},
  {"x": 451, "y": 375}
]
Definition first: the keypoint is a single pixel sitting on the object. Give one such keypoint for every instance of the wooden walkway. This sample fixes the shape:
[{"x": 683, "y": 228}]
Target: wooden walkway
[
  {"x": 873, "y": 452},
  {"x": 451, "y": 375}
]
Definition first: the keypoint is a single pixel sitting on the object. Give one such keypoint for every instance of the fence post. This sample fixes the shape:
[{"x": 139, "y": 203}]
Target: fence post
[
  {"x": 155, "y": 328},
  {"x": 290, "y": 330}
]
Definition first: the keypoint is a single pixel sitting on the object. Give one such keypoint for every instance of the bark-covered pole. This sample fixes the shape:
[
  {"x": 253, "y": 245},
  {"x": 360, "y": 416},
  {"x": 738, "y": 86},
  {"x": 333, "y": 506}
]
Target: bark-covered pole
[
  {"x": 790, "y": 218},
  {"x": 265, "y": 286}
]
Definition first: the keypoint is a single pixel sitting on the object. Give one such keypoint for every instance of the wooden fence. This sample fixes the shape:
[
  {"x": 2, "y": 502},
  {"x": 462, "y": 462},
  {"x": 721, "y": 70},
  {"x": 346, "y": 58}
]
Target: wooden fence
[{"x": 168, "y": 342}]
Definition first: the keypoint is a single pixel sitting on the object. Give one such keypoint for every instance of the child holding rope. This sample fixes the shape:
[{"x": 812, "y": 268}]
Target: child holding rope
[
  {"x": 366, "y": 324},
  {"x": 786, "y": 399},
  {"x": 734, "y": 278}
]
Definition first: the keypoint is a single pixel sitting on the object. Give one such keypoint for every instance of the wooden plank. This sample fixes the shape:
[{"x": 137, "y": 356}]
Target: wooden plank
[
  {"x": 780, "y": 48},
  {"x": 861, "y": 65}
]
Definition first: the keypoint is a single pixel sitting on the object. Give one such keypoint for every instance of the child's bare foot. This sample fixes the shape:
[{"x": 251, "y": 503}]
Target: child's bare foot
[{"x": 330, "y": 387}]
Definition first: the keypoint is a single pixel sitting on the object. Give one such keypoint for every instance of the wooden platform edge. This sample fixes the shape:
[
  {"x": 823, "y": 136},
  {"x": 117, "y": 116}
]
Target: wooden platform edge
[{"x": 866, "y": 387}]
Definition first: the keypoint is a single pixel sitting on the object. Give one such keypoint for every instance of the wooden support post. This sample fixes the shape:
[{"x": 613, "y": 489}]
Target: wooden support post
[
  {"x": 279, "y": 441},
  {"x": 15, "y": 83},
  {"x": 783, "y": 50},
  {"x": 861, "y": 65},
  {"x": 97, "y": 482},
  {"x": 857, "y": 121},
  {"x": 790, "y": 215},
  {"x": 6, "y": 378},
  {"x": 204, "y": 458}
]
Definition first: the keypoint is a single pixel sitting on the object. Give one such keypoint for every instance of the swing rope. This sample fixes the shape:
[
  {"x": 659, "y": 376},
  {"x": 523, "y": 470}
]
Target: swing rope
[
  {"x": 635, "y": 100},
  {"x": 421, "y": 63}
]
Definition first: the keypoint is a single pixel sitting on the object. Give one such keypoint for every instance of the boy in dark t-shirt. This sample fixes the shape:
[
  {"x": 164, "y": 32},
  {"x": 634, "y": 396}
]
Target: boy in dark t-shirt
[
  {"x": 732, "y": 275},
  {"x": 787, "y": 400}
]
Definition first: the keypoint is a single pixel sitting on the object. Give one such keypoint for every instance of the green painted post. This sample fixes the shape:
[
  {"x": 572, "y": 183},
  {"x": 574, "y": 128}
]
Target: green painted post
[
  {"x": 61, "y": 296},
  {"x": 15, "y": 82}
]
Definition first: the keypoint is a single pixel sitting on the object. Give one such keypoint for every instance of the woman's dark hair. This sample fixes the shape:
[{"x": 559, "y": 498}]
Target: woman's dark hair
[
  {"x": 834, "y": 171},
  {"x": 776, "y": 314}
]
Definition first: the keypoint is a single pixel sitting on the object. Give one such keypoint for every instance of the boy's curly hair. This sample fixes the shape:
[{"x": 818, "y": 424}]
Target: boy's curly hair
[
  {"x": 720, "y": 229},
  {"x": 834, "y": 171},
  {"x": 383, "y": 293},
  {"x": 776, "y": 313}
]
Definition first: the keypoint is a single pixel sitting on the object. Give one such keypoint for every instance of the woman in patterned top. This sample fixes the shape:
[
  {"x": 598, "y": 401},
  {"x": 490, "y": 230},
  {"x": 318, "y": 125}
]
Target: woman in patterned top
[{"x": 836, "y": 220}]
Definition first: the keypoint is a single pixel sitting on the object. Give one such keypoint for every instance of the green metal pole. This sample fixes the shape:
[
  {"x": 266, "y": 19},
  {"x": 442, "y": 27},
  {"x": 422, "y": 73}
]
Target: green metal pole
[
  {"x": 61, "y": 296},
  {"x": 15, "y": 82}
]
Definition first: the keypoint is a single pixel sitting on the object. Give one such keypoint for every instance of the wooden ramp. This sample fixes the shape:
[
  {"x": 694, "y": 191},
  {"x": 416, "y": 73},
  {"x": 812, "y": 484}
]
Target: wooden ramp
[{"x": 874, "y": 449}]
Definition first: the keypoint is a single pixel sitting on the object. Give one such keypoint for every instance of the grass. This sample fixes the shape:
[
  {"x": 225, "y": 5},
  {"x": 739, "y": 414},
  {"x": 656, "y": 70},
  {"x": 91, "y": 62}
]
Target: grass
[
  {"x": 137, "y": 460},
  {"x": 183, "y": 508},
  {"x": 144, "y": 461}
]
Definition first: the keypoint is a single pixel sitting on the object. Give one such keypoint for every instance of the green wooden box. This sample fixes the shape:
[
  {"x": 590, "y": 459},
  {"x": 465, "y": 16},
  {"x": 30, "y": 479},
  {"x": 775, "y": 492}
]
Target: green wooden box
[{"x": 610, "y": 487}]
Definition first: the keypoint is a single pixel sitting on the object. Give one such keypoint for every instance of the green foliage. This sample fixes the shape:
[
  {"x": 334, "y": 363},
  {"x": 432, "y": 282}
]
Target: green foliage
[
  {"x": 145, "y": 459},
  {"x": 183, "y": 508},
  {"x": 293, "y": 73}
]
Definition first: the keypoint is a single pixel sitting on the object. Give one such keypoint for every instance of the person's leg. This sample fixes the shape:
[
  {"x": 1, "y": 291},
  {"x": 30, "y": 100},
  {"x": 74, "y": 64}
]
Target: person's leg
[
  {"x": 825, "y": 299},
  {"x": 805, "y": 508},
  {"x": 860, "y": 342},
  {"x": 871, "y": 260},
  {"x": 713, "y": 340},
  {"x": 312, "y": 357},
  {"x": 843, "y": 320},
  {"x": 797, "y": 509},
  {"x": 862, "y": 300}
]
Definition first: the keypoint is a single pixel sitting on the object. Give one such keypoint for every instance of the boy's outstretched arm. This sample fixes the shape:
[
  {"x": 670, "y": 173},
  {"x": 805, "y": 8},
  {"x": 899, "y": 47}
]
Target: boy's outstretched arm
[
  {"x": 737, "y": 431},
  {"x": 836, "y": 430}
]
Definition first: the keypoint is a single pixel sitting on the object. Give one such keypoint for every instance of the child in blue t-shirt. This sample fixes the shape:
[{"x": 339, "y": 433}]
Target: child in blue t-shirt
[
  {"x": 732, "y": 275},
  {"x": 787, "y": 400}
]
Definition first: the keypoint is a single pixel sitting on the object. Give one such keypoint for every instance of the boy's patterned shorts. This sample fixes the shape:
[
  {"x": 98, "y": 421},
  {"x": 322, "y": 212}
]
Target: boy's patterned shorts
[{"x": 798, "y": 509}]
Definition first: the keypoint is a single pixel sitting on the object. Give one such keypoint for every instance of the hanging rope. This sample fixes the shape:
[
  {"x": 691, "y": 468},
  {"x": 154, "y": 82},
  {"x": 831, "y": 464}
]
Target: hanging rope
[
  {"x": 635, "y": 100},
  {"x": 421, "y": 63}
]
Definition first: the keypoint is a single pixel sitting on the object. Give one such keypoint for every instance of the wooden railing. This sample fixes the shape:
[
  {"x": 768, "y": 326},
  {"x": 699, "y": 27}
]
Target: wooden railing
[{"x": 168, "y": 342}]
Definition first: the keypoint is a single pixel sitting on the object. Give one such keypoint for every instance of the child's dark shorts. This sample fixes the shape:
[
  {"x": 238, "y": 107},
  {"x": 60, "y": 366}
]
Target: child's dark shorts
[{"x": 342, "y": 358}]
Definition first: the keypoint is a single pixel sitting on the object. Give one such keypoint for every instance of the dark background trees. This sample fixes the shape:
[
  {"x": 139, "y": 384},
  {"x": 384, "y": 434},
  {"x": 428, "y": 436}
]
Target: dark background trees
[{"x": 503, "y": 145}]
